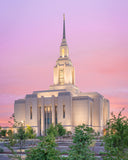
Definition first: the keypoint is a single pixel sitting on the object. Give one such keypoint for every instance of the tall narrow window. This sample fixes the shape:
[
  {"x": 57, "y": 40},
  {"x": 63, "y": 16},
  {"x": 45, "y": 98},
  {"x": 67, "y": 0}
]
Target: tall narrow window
[
  {"x": 63, "y": 111},
  {"x": 40, "y": 118},
  {"x": 55, "y": 114},
  {"x": 50, "y": 115},
  {"x": 40, "y": 113},
  {"x": 30, "y": 112},
  {"x": 45, "y": 117},
  {"x": 61, "y": 76},
  {"x": 73, "y": 76}
]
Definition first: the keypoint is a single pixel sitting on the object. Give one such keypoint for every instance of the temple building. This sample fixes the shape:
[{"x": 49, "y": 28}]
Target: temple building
[{"x": 63, "y": 103}]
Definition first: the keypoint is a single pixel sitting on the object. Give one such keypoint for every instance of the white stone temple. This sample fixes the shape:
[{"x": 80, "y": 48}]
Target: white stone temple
[{"x": 63, "y": 103}]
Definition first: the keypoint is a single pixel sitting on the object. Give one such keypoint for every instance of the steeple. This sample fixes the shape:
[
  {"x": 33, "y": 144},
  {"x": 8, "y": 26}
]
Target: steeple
[
  {"x": 64, "y": 36},
  {"x": 64, "y": 73},
  {"x": 64, "y": 46}
]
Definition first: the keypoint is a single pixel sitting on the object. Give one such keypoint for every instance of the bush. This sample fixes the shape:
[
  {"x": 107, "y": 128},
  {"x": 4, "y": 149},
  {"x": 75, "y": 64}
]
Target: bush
[
  {"x": 116, "y": 138},
  {"x": 57, "y": 130},
  {"x": 61, "y": 130},
  {"x": 18, "y": 138},
  {"x": 82, "y": 139},
  {"x": 11, "y": 136},
  {"x": 68, "y": 133},
  {"x": 30, "y": 132},
  {"x": 52, "y": 130},
  {"x": 44, "y": 150},
  {"x": 9, "y": 132},
  {"x": 3, "y": 132}
]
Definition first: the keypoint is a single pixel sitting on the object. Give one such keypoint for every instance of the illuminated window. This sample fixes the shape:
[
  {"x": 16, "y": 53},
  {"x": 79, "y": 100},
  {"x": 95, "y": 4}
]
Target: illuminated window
[
  {"x": 47, "y": 116},
  {"x": 40, "y": 119},
  {"x": 40, "y": 113},
  {"x": 62, "y": 52},
  {"x": 30, "y": 112},
  {"x": 63, "y": 111},
  {"x": 73, "y": 77},
  {"x": 61, "y": 76}
]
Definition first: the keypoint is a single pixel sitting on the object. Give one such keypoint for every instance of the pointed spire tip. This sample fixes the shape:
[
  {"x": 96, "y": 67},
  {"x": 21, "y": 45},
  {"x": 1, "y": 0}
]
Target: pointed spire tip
[{"x": 64, "y": 26}]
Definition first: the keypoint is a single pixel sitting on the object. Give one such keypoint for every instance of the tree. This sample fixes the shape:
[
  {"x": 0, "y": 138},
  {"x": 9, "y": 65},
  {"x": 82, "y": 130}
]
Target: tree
[
  {"x": 21, "y": 136},
  {"x": 3, "y": 132},
  {"x": 116, "y": 138},
  {"x": 30, "y": 132},
  {"x": 9, "y": 132},
  {"x": 45, "y": 150},
  {"x": 0, "y": 131},
  {"x": 82, "y": 139},
  {"x": 18, "y": 137},
  {"x": 11, "y": 136}
]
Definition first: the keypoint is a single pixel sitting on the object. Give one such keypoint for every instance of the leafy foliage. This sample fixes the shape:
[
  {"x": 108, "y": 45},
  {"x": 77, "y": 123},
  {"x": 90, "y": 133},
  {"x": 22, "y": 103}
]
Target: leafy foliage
[
  {"x": 44, "y": 151},
  {"x": 14, "y": 153},
  {"x": 68, "y": 133},
  {"x": 52, "y": 130},
  {"x": 9, "y": 132},
  {"x": 61, "y": 130},
  {"x": 11, "y": 136},
  {"x": 14, "y": 138},
  {"x": 82, "y": 139},
  {"x": 30, "y": 132},
  {"x": 116, "y": 138},
  {"x": 20, "y": 135},
  {"x": 57, "y": 130},
  {"x": 3, "y": 132}
]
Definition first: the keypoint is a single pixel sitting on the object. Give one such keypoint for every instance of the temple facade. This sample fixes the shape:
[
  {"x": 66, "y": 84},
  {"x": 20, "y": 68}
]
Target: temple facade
[{"x": 63, "y": 103}]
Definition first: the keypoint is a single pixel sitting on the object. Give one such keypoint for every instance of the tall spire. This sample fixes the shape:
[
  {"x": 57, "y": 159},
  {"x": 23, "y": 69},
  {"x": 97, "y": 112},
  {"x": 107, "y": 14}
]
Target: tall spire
[
  {"x": 64, "y": 46},
  {"x": 64, "y": 36}
]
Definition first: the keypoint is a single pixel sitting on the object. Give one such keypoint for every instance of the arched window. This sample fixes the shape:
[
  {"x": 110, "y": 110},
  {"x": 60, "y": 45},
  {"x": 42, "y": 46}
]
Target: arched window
[
  {"x": 63, "y": 111},
  {"x": 55, "y": 114},
  {"x": 30, "y": 112}
]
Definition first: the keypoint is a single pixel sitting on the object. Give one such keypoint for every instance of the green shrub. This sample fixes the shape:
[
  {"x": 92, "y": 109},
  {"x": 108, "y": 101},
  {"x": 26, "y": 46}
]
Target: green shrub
[
  {"x": 69, "y": 133},
  {"x": 30, "y": 132},
  {"x": 57, "y": 130},
  {"x": 45, "y": 150},
  {"x": 61, "y": 130},
  {"x": 3, "y": 132},
  {"x": 116, "y": 138},
  {"x": 52, "y": 130},
  {"x": 9, "y": 132},
  {"x": 82, "y": 139},
  {"x": 11, "y": 136}
]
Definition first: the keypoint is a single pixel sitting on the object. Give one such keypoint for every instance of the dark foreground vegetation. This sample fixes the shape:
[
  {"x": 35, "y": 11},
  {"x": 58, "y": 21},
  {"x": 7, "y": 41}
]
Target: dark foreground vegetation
[{"x": 115, "y": 142}]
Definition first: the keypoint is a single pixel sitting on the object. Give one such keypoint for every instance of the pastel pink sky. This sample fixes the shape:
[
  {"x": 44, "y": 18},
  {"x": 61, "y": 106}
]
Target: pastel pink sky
[{"x": 30, "y": 36}]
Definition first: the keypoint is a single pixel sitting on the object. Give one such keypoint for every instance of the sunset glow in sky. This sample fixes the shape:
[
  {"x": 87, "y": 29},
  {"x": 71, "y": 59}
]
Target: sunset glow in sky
[{"x": 30, "y": 36}]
